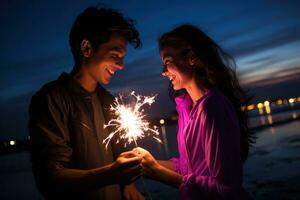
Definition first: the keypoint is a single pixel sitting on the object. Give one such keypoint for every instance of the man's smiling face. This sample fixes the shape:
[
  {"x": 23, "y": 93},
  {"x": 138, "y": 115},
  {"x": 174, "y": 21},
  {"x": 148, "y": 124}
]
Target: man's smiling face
[{"x": 107, "y": 59}]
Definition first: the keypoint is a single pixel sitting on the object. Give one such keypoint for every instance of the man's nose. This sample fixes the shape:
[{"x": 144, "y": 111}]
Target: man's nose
[{"x": 164, "y": 70}]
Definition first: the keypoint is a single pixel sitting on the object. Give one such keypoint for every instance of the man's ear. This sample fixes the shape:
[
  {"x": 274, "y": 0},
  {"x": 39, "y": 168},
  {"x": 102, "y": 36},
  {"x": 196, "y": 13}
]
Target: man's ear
[{"x": 86, "y": 48}]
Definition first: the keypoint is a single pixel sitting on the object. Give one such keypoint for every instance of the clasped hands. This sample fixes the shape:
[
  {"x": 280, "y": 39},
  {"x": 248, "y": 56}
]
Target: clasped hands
[{"x": 130, "y": 165}]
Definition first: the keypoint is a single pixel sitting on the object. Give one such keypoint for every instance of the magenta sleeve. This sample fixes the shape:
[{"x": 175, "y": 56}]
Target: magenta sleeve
[
  {"x": 175, "y": 164},
  {"x": 217, "y": 135}
]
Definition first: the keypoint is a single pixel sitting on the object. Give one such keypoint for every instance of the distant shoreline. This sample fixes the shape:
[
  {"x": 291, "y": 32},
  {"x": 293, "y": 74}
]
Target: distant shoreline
[{"x": 23, "y": 145}]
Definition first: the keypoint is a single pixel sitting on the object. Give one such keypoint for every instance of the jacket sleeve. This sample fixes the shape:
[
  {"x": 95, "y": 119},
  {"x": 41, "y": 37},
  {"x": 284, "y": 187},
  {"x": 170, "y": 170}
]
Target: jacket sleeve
[
  {"x": 218, "y": 136},
  {"x": 49, "y": 137}
]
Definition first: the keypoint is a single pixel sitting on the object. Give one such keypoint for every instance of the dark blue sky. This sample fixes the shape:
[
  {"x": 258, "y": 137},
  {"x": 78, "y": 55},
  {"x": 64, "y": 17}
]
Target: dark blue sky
[{"x": 263, "y": 37}]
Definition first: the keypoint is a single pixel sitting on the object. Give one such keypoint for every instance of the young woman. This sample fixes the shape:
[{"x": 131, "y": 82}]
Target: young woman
[{"x": 213, "y": 137}]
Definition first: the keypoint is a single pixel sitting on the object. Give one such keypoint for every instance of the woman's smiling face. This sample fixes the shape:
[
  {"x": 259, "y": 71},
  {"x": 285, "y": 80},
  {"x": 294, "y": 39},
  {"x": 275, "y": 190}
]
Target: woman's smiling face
[{"x": 176, "y": 70}]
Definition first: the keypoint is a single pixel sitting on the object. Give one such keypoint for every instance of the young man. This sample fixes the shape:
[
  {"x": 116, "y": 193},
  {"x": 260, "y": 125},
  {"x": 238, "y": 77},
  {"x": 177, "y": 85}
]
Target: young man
[{"x": 67, "y": 116}]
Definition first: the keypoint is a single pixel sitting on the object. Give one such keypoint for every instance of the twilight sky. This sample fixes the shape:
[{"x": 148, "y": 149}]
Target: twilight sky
[{"x": 263, "y": 37}]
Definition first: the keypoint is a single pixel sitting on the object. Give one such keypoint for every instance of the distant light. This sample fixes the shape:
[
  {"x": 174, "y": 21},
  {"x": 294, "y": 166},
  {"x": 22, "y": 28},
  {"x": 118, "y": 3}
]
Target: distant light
[
  {"x": 260, "y": 108},
  {"x": 266, "y": 103},
  {"x": 12, "y": 142},
  {"x": 295, "y": 115},
  {"x": 291, "y": 100},
  {"x": 162, "y": 121},
  {"x": 260, "y": 105},
  {"x": 298, "y": 99},
  {"x": 270, "y": 119},
  {"x": 174, "y": 117},
  {"x": 250, "y": 107},
  {"x": 279, "y": 101},
  {"x": 268, "y": 109}
]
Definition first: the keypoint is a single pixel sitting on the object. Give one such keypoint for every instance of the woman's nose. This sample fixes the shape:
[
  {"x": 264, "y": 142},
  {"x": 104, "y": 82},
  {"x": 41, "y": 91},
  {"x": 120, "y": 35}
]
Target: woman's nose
[
  {"x": 164, "y": 73},
  {"x": 119, "y": 65}
]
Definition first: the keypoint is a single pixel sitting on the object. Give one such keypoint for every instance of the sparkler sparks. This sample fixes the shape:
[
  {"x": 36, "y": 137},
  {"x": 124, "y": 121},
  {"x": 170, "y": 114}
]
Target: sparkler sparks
[{"x": 130, "y": 123}]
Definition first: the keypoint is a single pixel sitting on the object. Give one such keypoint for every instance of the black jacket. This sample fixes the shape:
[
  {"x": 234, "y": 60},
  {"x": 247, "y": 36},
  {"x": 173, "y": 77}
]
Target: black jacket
[{"x": 66, "y": 131}]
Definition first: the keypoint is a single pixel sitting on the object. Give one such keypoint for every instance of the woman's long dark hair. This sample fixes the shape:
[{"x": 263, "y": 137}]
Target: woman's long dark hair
[{"x": 213, "y": 68}]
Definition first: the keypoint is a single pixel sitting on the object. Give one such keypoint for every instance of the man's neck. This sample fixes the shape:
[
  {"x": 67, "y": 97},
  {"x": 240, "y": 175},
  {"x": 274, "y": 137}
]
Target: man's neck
[{"x": 84, "y": 79}]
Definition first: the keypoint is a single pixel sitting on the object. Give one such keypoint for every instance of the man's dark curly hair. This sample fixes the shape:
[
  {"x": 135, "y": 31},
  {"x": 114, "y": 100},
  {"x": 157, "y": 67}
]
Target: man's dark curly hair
[{"x": 97, "y": 25}]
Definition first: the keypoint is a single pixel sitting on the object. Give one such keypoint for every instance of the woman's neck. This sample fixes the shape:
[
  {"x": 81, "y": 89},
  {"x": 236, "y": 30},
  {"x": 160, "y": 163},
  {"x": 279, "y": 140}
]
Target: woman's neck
[{"x": 194, "y": 91}]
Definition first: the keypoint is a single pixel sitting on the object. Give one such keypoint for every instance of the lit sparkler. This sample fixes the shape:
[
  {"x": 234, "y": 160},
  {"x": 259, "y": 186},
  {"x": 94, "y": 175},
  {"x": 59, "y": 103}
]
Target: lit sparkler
[{"x": 130, "y": 123}]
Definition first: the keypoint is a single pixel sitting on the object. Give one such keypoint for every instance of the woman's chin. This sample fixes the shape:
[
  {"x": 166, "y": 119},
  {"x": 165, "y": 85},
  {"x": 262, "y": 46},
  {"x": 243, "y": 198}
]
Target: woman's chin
[{"x": 176, "y": 88}]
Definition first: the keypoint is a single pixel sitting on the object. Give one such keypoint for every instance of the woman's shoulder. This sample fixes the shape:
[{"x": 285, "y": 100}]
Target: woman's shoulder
[
  {"x": 214, "y": 101},
  {"x": 183, "y": 101}
]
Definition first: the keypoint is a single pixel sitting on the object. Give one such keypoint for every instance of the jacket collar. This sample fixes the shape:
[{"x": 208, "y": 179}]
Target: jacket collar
[{"x": 76, "y": 88}]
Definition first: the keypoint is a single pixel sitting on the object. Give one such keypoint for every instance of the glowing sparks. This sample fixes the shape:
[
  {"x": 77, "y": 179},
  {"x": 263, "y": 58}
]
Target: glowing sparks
[{"x": 130, "y": 123}]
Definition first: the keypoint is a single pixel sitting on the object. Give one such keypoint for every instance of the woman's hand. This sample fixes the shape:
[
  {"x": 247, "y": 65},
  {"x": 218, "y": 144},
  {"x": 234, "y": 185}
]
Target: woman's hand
[
  {"x": 150, "y": 166},
  {"x": 130, "y": 192},
  {"x": 152, "y": 169},
  {"x": 126, "y": 168}
]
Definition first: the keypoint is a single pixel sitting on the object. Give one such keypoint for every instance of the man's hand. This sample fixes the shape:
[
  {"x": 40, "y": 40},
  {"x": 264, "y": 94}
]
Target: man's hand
[
  {"x": 126, "y": 169},
  {"x": 131, "y": 193}
]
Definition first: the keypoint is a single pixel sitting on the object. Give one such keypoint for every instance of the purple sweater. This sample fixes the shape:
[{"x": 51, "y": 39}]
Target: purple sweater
[{"x": 209, "y": 148}]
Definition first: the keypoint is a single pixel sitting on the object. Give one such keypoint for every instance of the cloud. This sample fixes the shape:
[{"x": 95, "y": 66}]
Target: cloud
[
  {"x": 256, "y": 44},
  {"x": 276, "y": 77},
  {"x": 257, "y": 65},
  {"x": 260, "y": 60},
  {"x": 285, "y": 89}
]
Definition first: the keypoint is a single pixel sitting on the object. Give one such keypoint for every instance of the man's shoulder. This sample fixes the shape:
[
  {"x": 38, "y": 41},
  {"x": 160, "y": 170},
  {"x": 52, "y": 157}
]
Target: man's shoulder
[{"x": 54, "y": 88}]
